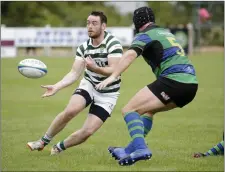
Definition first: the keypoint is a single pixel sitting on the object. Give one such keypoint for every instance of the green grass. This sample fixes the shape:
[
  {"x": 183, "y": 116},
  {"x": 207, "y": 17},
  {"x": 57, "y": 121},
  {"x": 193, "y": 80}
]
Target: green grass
[{"x": 25, "y": 116}]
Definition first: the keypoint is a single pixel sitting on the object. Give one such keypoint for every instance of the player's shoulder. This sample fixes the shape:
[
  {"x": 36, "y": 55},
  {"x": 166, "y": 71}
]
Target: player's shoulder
[
  {"x": 160, "y": 31},
  {"x": 141, "y": 36},
  {"x": 153, "y": 29},
  {"x": 111, "y": 38},
  {"x": 138, "y": 34},
  {"x": 83, "y": 46},
  {"x": 152, "y": 32}
]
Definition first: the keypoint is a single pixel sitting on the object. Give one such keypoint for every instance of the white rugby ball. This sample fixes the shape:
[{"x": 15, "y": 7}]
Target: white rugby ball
[{"x": 32, "y": 68}]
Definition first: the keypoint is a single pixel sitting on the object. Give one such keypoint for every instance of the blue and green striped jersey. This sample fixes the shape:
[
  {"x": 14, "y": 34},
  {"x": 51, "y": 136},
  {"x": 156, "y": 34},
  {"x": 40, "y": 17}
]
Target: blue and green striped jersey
[{"x": 164, "y": 54}]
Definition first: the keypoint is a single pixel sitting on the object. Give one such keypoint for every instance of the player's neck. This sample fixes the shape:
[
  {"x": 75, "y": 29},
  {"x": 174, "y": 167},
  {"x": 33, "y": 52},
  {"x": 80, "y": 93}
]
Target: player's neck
[
  {"x": 98, "y": 41},
  {"x": 144, "y": 26}
]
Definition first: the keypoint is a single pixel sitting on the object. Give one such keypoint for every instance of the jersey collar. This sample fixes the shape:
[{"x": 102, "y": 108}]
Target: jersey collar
[
  {"x": 150, "y": 27},
  {"x": 103, "y": 42}
]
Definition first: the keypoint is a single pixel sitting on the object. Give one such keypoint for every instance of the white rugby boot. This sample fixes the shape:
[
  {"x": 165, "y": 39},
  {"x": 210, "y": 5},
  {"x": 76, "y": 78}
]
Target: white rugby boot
[
  {"x": 55, "y": 150},
  {"x": 36, "y": 145}
]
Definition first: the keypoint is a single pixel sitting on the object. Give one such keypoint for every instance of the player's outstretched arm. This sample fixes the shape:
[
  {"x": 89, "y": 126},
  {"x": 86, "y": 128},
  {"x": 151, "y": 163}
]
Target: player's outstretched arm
[
  {"x": 126, "y": 60},
  {"x": 70, "y": 78}
]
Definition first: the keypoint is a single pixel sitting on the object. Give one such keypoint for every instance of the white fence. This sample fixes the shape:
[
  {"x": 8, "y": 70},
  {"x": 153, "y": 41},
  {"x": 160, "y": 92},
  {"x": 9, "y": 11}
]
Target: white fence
[{"x": 47, "y": 37}]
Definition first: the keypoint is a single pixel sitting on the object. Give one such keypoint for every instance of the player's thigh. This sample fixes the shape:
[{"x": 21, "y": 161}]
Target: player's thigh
[
  {"x": 85, "y": 89},
  {"x": 81, "y": 98},
  {"x": 76, "y": 104},
  {"x": 171, "y": 92},
  {"x": 103, "y": 104},
  {"x": 92, "y": 124},
  {"x": 145, "y": 101},
  {"x": 162, "y": 95}
]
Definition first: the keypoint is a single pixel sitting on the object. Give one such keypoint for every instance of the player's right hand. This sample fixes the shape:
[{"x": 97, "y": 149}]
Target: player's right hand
[
  {"x": 50, "y": 90},
  {"x": 198, "y": 155}
]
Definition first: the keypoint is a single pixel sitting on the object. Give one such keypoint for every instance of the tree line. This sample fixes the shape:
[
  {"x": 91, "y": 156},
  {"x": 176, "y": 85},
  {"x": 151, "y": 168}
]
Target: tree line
[{"x": 74, "y": 13}]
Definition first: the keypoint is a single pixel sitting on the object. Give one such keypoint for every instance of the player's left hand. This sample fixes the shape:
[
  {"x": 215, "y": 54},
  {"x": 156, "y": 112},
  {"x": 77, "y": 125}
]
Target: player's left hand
[
  {"x": 90, "y": 63},
  {"x": 104, "y": 83}
]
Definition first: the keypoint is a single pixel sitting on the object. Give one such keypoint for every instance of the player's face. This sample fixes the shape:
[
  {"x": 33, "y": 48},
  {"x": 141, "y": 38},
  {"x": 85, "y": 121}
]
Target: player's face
[{"x": 94, "y": 26}]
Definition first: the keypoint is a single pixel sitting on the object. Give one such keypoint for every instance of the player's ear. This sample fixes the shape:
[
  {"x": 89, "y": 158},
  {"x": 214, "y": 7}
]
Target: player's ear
[{"x": 103, "y": 26}]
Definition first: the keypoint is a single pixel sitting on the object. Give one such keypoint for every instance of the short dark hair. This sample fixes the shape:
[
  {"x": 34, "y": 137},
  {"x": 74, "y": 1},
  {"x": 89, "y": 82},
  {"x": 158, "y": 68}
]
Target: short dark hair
[{"x": 102, "y": 16}]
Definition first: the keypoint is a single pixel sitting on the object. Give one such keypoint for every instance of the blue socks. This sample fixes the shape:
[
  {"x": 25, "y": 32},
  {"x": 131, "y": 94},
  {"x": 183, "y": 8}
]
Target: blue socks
[
  {"x": 216, "y": 150},
  {"x": 147, "y": 121},
  {"x": 135, "y": 127}
]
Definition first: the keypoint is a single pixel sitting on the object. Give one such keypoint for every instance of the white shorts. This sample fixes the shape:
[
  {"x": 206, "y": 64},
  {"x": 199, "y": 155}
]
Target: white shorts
[{"x": 98, "y": 101}]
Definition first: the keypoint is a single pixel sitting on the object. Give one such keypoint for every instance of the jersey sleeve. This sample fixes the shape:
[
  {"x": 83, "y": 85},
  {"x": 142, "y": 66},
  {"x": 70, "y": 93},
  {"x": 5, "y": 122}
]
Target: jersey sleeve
[
  {"x": 114, "y": 48},
  {"x": 80, "y": 53},
  {"x": 139, "y": 42}
]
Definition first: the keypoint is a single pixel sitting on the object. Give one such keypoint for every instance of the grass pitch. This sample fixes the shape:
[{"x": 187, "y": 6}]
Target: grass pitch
[{"x": 175, "y": 136}]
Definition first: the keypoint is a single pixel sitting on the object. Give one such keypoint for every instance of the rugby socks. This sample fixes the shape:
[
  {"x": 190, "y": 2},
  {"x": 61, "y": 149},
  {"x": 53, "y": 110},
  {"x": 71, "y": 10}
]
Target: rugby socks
[
  {"x": 216, "y": 150},
  {"x": 136, "y": 130},
  {"x": 61, "y": 146},
  {"x": 46, "y": 139},
  {"x": 147, "y": 121}
]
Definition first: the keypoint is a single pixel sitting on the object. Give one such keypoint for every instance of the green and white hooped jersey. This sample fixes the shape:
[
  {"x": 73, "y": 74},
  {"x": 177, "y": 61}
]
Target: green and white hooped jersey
[{"x": 109, "y": 48}]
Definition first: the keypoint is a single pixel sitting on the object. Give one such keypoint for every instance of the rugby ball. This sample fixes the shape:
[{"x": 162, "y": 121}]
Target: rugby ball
[{"x": 32, "y": 68}]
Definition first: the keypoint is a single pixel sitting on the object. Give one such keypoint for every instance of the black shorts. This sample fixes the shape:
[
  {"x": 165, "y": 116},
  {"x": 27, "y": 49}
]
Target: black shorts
[
  {"x": 94, "y": 109},
  {"x": 168, "y": 90}
]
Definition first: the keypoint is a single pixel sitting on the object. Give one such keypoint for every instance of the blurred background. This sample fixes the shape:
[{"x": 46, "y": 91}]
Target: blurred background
[{"x": 57, "y": 28}]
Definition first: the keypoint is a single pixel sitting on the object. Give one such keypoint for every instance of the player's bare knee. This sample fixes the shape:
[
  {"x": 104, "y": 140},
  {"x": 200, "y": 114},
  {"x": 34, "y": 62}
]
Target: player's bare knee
[
  {"x": 69, "y": 113},
  {"x": 87, "y": 132}
]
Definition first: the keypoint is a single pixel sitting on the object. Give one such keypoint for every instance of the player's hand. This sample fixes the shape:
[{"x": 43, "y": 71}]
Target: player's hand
[
  {"x": 90, "y": 63},
  {"x": 50, "y": 90},
  {"x": 198, "y": 155},
  {"x": 104, "y": 83}
]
